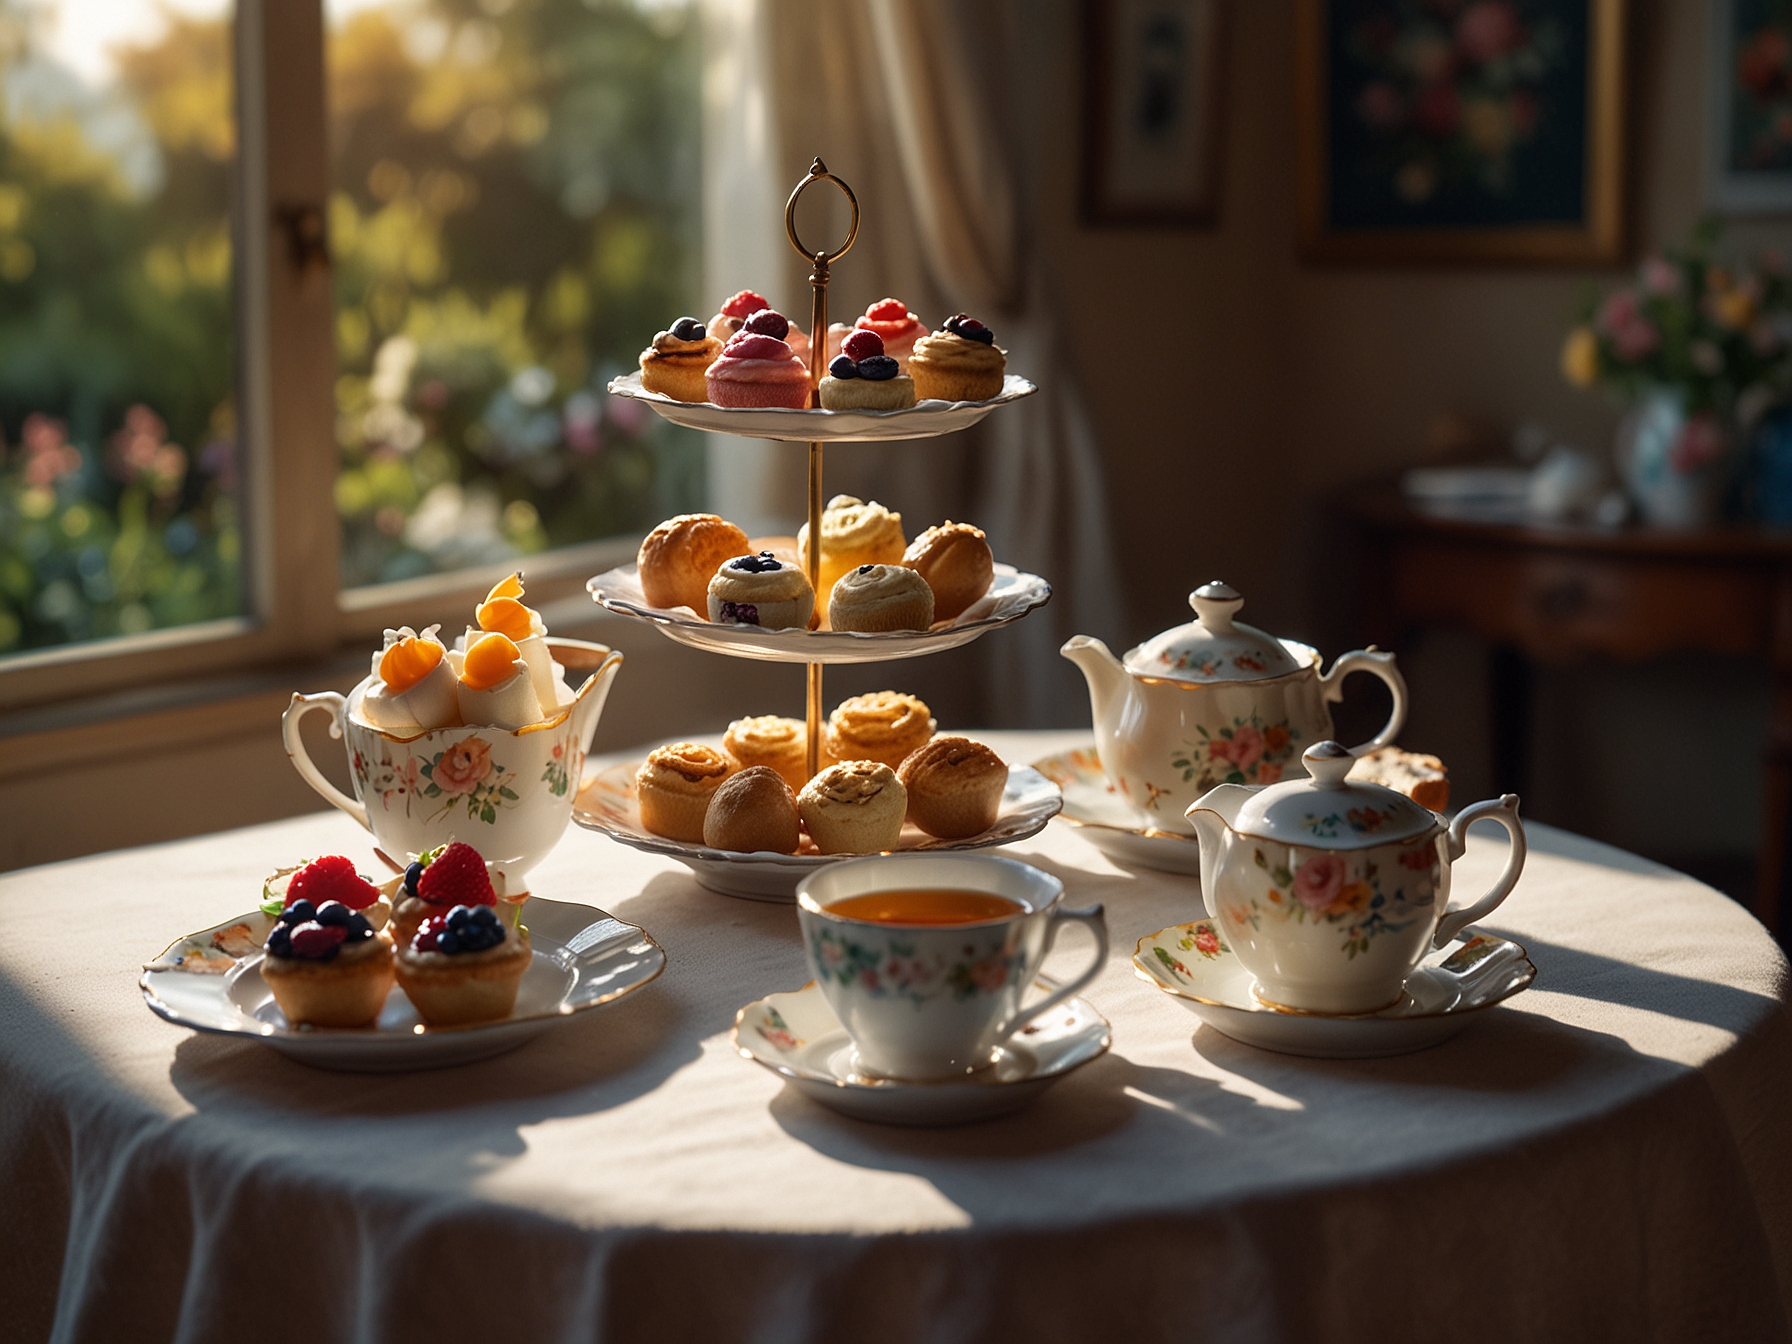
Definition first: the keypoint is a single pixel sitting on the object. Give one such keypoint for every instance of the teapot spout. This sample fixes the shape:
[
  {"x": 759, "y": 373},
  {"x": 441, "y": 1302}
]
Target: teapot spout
[
  {"x": 1212, "y": 815},
  {"x": 588, "y": 702},
  {"x": 1100, "y": 669}
]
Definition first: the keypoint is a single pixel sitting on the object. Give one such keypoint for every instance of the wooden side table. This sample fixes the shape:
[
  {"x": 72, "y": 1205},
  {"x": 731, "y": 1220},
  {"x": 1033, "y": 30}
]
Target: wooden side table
[{"x": 1567, "y": 594}]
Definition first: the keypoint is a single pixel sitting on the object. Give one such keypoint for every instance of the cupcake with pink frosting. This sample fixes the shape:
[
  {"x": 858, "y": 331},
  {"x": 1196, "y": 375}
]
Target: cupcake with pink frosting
[
  {"x": 742, "y": 308},
  {"x": 758, "y": 370}
]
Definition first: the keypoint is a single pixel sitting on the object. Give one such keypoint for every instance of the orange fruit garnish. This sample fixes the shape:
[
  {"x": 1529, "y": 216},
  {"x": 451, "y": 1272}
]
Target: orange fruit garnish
[
  {"x": 506, "y": 616},
  {"x": 511, "y": 585},
  {"x": 408, "y": 661},
  {"x": 491, "y": 660}
]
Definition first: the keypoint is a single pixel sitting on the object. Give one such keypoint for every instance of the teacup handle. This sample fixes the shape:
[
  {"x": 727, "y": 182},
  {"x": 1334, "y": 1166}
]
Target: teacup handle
[
  {"x": 1505, "y": 811},
  {"x": 1096, "y": 920},
  {"x": 301, "y": 759},
  {"x": 1373, "y": 661}
]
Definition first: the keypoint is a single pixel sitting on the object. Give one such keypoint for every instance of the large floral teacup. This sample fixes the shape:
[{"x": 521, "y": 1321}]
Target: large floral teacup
[
  {"x": 929, "y": 1001},
  {"x": 506, "y": 792}
]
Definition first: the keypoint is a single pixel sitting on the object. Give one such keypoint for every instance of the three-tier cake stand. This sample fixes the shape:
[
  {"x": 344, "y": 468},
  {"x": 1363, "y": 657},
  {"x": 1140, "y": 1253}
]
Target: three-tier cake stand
[{"x": 606, "y": 803}]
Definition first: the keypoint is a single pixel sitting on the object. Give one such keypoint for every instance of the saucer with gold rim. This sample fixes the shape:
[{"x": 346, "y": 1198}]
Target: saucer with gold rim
[
  {"x": 1193, "y": 964},
  {"x": 797, "y": 1037},
  {"x": 1109, "y": 822}
]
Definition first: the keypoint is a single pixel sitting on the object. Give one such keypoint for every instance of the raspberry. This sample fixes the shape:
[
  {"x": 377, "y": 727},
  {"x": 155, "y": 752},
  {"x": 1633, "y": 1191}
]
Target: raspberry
[
  {"x": 331, "y": 878},
  {"x": 862, "y": 345},
  {"x": 768, "y": 322},
  {"x": 315, "y": 941},
  {"x": 744, "y": 304},
  {"x": 887, "y": 310},
  {"x": 748, "y": 346},
  {"x": 457, "y": 877}
]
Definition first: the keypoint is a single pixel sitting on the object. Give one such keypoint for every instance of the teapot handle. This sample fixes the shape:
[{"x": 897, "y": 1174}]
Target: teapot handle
[
  {"x": 301, "y": 759},
  {"x": 1505, "y": 811},
  {"x": 1373, "y": 661}
]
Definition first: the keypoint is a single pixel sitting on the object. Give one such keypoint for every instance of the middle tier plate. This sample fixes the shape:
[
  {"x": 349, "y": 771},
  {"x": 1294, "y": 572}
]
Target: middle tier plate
[
  {"x": 1011, "y": 596},
  {"x": 606, "y": 803}
]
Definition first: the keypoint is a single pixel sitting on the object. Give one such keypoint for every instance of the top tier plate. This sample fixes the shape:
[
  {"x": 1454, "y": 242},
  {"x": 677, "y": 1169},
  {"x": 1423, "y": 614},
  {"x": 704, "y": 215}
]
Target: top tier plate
[{"x": 923, "y": 420}]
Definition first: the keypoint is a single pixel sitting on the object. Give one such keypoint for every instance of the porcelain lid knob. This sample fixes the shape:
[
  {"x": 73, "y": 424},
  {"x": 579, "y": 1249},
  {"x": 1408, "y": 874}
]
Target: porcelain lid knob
[
  {"x": 1215, "y": 605},
  {"x": 1327, "y": 763}
]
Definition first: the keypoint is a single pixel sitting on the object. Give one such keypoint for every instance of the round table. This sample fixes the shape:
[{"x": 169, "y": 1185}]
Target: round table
[{"x": 1608, "y": 1155}]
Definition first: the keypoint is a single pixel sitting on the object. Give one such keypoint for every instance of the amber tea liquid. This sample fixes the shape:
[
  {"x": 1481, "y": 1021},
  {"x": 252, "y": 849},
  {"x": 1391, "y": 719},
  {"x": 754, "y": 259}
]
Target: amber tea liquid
[{"x": 928, "y": 905}]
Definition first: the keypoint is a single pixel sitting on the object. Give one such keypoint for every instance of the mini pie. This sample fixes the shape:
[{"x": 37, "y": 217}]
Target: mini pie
[
  {"x": 674, "y": 786},
  {"x": 678, "y": 558},
  {"x": 853, "y": 533},
  {"x": 855, "y": 807},
  {"x": 875, "y": 598},
  {"x": 954, "y": 787},
  {"x": 675, "y": 364},
  {"x": 956, "y": 561},
  {"x": 782, "y": 744},
  {"x": 761, "y": 590},
  {"x": 452, "y": 990},
  {"x": 753, "y": 810},
  {"x": 882, "y": 726}
]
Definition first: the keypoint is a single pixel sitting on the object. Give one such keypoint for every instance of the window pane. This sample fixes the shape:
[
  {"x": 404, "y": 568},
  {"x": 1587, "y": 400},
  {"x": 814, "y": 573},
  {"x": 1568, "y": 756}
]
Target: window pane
[
  {"x": 515, "y": 212},
  {"x": 118, "y": 462}
]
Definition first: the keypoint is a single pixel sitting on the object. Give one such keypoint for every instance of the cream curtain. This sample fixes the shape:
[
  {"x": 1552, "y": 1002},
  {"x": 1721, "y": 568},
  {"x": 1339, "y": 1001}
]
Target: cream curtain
[{"x": 923, "y": 105}]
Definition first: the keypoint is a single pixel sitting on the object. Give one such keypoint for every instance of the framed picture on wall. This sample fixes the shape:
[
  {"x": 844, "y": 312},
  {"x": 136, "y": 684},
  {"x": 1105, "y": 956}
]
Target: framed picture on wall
[
  {"x": 1750, "y": 143},
  {"x": 1461, "y": 130},
  {"x": 1152, "y": 111}
]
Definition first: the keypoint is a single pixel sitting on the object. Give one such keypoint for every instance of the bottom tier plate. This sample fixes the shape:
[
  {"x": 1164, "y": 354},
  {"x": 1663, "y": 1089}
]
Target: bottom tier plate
[{"x": 607, "y": 804}]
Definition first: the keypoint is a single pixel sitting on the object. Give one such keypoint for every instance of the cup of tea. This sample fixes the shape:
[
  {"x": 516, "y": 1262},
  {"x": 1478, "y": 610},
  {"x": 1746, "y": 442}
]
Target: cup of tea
[{"x": 925, "y": 957}]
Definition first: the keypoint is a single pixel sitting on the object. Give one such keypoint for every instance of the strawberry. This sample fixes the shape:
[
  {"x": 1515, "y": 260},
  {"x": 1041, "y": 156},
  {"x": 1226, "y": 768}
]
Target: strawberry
[
  {"x": 887, "y": 310},
  {"x": 331, "y": 878},
  {"x": 862, "y": 345},
  {"x": 457, "y": 877},
  {"x": 744, "y": 303}
]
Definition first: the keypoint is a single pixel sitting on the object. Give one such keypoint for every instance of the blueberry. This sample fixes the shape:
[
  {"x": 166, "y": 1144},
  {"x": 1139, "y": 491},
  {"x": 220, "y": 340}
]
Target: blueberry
[
  {"x": 843, "y": 367},
  {"x": 983, "y": 334},
  {"x": 447, "y": 940},
  {"x": 879, "y": 368},
  {"x": 299, "y": 911},
  {"x": 458, "y": 917},
  {"x": 412, "y": 875},
  {"x": 334, "y": 912},
  {"x": 486, "y": 915},
  {"x": 359, "y": 927},
  {"x": 688, "y": 329},
  {"x": 866, "y": 569},
  {"x": 280, "y": 941}
]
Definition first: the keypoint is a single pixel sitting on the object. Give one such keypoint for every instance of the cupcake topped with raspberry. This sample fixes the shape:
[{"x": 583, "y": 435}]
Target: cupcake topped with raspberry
[
  {"x": 757, "y": 370},
  {"x": 326, "y": 962},
  {"x": 437, "y": 881},
  {"x": 863, "y": 378},
  {"x": 893, "y": 324},
  {"x": 463, "y": 966},
  {"x": 737, "y": 315}
]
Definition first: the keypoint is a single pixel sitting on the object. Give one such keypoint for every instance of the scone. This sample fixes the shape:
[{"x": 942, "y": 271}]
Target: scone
[
  {"x": 957, "y": 563},
  {"x": 954, "y": 787},
  {"x": 326, "y": 965},
  {"x": 853, "y": 533},
  {"x": 855, "y": 807},
  {"x": 674, "y": 785},
  {"x": 761, "y": 590},
  {"x": 674, "y": 365},
  {"x": 884, "y": 726},
  {"x": 677, "y": 559},
  {"x": 960, "y": 362},
  {"x": 781, "y": 744},
  {"x": 753, "y": 810},
  {"x": 874, "y": 598},
  {"x": 1424, "y": 779},
  {"x": 464, "y": 966},
  {"x": 863, "y": 378}
]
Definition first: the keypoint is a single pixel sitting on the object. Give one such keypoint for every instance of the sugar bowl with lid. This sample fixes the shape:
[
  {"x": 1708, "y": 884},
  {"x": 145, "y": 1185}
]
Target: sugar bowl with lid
[
  {"x": 1330, "y": 891},
  {"x": 1213, "y": 702}
]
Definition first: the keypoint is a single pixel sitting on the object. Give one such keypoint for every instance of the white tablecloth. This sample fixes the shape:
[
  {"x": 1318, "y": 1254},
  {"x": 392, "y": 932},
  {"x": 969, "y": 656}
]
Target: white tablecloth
[{"x": 1607, "y": 1156}]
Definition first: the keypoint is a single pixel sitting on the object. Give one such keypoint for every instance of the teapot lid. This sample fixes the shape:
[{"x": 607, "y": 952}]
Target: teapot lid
[
  {"x": 1213, "y": 647},
  {"x": 1327, "y": 811}
]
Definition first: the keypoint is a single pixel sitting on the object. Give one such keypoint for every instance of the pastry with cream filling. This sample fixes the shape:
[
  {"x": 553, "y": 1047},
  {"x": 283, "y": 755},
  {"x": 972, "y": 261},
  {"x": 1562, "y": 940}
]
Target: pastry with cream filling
[
  {"x": 853, "y": 533},
  {"x": 413, "y": 688},
  {"x": 503, "y": 613},
  {"x": 761, "y": 590},
  {"x": 877, "y": 598},
  {"x": 855, "y": 807},
  {"x": 882, "y": 726},
  {"x": 496, "y": 690},
  {"x": 782, "y": 744}
]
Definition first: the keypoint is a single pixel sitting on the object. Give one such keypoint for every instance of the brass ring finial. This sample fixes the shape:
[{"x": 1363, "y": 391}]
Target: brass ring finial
[{"x": 818, "y": 172}]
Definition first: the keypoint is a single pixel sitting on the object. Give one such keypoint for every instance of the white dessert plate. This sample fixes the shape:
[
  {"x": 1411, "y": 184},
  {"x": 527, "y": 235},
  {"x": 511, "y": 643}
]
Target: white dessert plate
[
  {"x": 1193, "y": 964},
  {"x": 583, "y": 958},
  {"x": 607, "y": 803},
  {"x": 1109, "y": 822},
  {"x": 797, "y": 1037},
  {"x": 1011, "y": 595},
  {"x": 921, "y": 421}
]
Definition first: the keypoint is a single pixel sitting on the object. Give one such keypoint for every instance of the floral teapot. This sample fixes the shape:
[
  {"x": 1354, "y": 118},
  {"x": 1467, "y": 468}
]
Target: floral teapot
[{"x": 1214, "y": 702}]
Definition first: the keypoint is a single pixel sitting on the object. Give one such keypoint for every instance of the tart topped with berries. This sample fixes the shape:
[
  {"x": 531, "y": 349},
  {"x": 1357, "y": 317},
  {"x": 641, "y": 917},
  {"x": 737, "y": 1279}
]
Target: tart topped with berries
[
  {"x": 863, "y": 378},
  {"x": 464, "y": 966},
  {"x": 324, "y": 960},
  {"x": 435, "y": 882}
]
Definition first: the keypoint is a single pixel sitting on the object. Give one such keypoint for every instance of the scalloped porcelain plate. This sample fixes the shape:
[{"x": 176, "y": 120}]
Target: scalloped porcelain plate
[
  {"x": 924, "y": 419},
  {"x": 583, "y": 958},
  {"x": 1011, "y": 595},
  {"x": 606, "y": 803},
  {"x": 797, "y": 1037},
  {"x": 1193, "y": 964},
  {"x": 1108, "y": 821}
]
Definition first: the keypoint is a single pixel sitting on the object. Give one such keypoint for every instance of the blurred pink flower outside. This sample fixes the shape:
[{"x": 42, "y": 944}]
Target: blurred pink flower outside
[
  {"x": 1488, "y": 29},
  {"x": 49, "y": 456}
]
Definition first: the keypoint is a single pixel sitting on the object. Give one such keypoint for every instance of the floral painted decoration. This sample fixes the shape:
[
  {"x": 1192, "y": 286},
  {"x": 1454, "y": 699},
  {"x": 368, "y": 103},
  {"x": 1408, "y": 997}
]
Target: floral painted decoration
[{"x": 896, "y": 968}]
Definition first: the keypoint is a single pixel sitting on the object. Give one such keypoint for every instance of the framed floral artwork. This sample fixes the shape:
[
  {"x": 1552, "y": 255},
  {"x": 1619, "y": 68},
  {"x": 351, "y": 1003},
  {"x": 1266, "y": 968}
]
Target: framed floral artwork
[
  {"x": 1461, "y": 130},
  {"x": 1152, "y": 111},
  {"x": 1750, "y": 122}
]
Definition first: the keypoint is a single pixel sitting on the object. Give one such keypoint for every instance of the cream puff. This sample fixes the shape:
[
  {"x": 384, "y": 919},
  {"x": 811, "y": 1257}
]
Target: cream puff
[
  {"x": 674, "y": 785},
  {"x": 855, "y": 807},
  {"x": 413, "y": 686},
  {"x": 678, "y": 558},
  {"x": 464, "y": 966},
  {"x": 954, "y": 787},
  {"x": 876, "y": 598},
  {"x": 758, "y": 371},
  {"x": 754, "y": 810},
  {"x": 761, "y": 590},
  {"x": 898, "y": 328},
  {"x": 957, "y": 563},
  {"x": 496, "y": 690},
  {"x": 885, "y": 726},
  {"x": 503, "y": 613},
  {"x": 960, "y": 362},
  {"x": 853, "y": 533},
  {"x": 780, "y": 744},
  {"x": 863, "y": 378},
  {"x": 326, "y": 965},
  {"x": 675, "y": 363}
]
